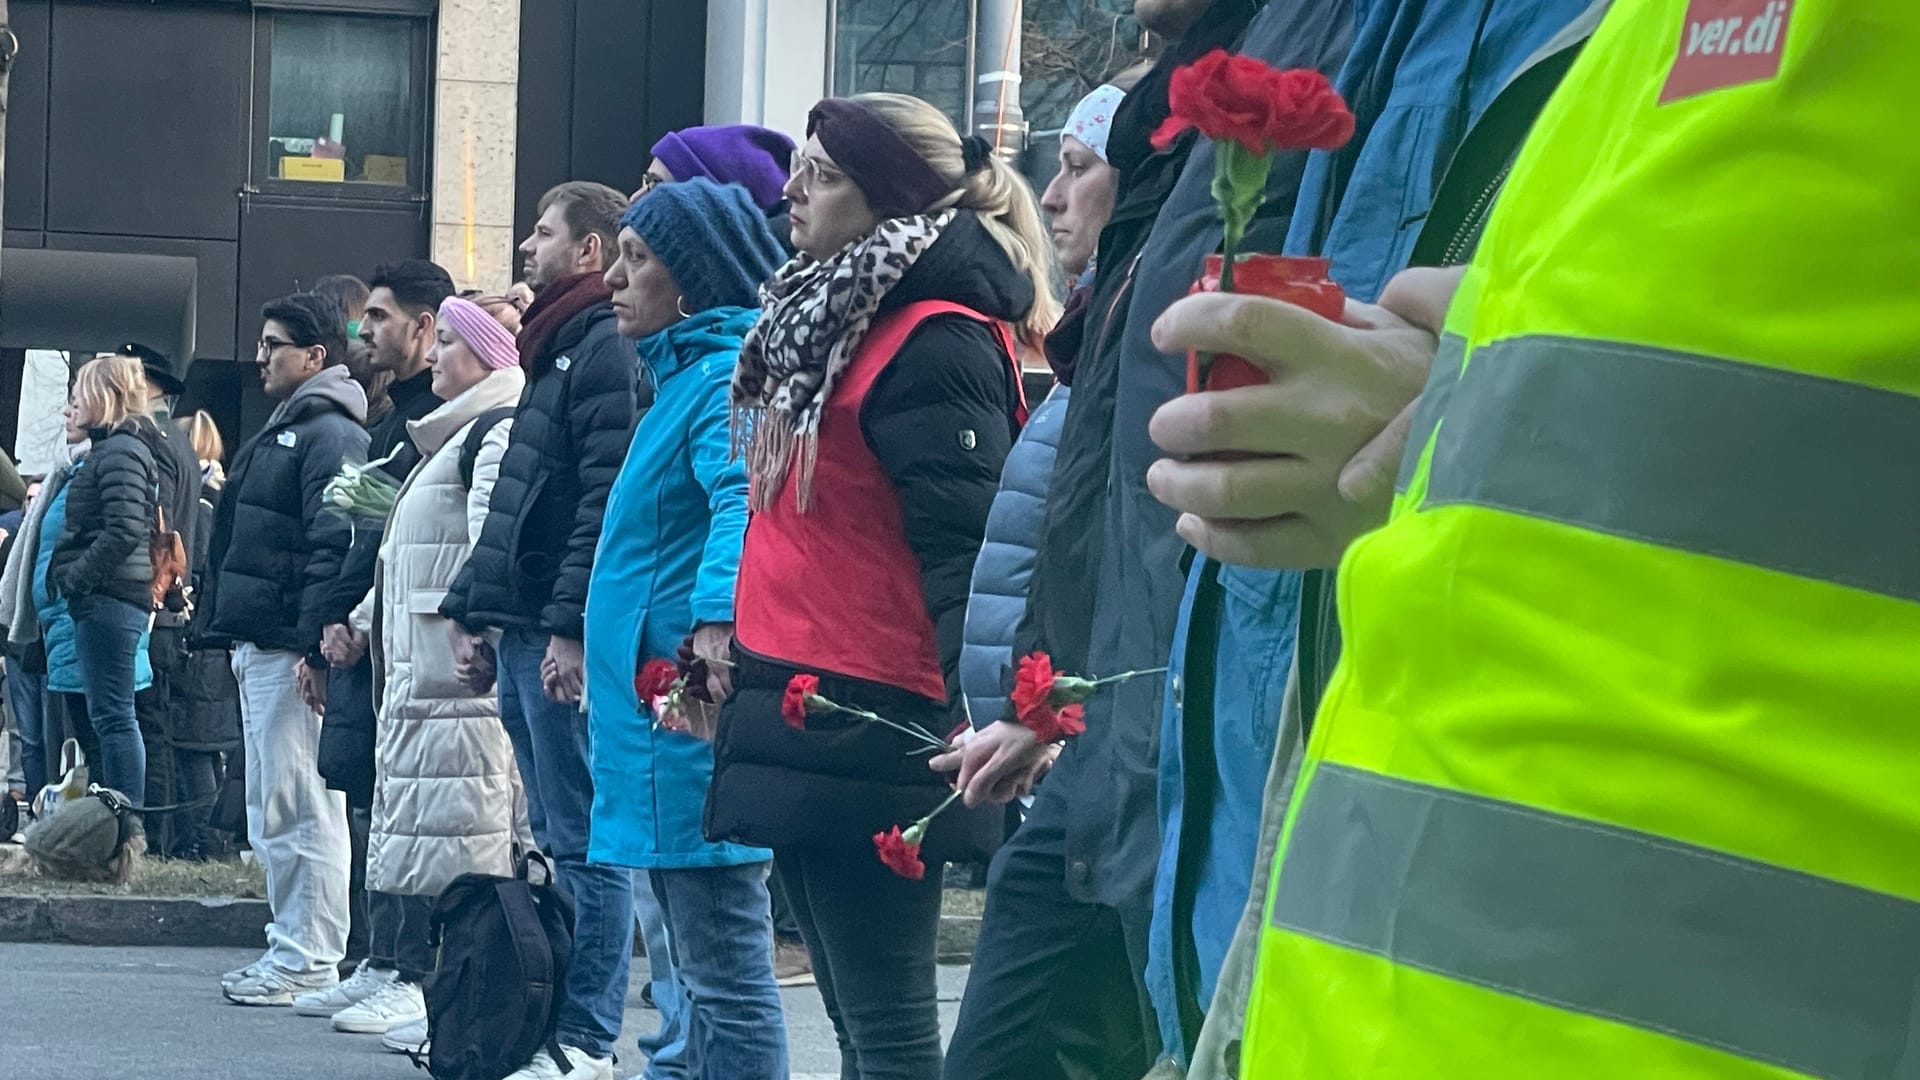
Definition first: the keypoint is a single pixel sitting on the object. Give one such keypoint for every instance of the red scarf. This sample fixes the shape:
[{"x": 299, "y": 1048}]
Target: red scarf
[{"x": 550, "y": 311}]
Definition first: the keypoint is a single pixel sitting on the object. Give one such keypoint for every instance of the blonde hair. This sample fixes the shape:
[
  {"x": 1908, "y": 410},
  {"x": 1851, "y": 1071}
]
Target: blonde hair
[
  {"x": 110, "y": 390},
  {"x": 998, "y": 194},
  {"x": 204, "y": 436}
]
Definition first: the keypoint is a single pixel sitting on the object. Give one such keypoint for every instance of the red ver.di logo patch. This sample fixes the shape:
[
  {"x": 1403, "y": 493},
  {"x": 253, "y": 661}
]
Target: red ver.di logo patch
[{"x": 1727, "y": 43}]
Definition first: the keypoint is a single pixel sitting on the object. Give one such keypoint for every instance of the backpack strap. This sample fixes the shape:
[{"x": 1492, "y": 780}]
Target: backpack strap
[
  {"x": 536, "y": 957},
  {"x": 476, "y": 435}
]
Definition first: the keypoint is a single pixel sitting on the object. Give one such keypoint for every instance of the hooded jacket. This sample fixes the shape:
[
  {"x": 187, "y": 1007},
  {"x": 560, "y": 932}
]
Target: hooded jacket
[
  {"x": 570, "y": 432},
  {"x": 277, "y": 545},
  {"x": 443, "y": 791},
  {"x": 669, "y": 553},
  {"x": 948, "y": 378}
]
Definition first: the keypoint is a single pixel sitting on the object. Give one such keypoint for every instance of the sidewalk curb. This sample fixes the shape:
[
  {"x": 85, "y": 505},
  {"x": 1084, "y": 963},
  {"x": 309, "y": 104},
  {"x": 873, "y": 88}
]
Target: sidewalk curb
[
  {"x": 229, "y": 922},
  {"x": 216, "y": 922}
]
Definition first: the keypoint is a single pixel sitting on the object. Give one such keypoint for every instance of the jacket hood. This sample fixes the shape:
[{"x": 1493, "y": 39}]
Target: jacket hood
[
  {"x": 966, "y": 266},
  {"x": 498, "y": 390},
  {"x": 693, "y": 339},
  {"x": 331, "y": 387}
]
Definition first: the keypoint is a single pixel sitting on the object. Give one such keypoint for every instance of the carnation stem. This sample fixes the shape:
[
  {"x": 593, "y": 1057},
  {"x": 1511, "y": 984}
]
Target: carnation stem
[
  {"x": 914, "y": 730},
  {"x": 1128, "y": 675},
  {"x": 935, "y": 812}
]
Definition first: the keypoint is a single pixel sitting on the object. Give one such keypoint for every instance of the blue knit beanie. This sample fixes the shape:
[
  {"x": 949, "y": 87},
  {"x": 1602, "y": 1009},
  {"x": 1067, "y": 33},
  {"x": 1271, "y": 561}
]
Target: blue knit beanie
[{"x": 713, "y": 238}]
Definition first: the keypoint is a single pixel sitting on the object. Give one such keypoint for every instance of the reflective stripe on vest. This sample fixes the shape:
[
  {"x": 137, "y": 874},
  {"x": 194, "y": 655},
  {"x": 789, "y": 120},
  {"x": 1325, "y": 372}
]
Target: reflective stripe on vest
[{"x": 1616, "y": 777}]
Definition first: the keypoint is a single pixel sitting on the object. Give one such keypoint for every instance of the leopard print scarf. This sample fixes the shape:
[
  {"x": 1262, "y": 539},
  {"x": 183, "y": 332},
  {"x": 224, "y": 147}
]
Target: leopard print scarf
[{"x": 813, "y": 317}]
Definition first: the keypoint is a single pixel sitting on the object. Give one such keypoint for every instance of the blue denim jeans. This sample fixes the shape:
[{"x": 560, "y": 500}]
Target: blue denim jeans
[
  {"x": 106, "y": 634},
  {"x": 720, "y": 923},
  {"x": 666, "y": 1048},
  {"x": 550, "y": 745},
  {"x": 27, "y": 694}
]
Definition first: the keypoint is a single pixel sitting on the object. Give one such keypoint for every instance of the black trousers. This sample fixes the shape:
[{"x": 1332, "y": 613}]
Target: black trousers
[
  {"x": 1057, "y": 990},
  {"x": 872, "y": 937},
  {"x": 153, "y": 709},
  {"x": 397, "y": 926}
]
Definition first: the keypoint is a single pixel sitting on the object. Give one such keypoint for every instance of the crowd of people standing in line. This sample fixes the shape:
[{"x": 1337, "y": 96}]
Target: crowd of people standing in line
[{"x": 772, "y": 356}]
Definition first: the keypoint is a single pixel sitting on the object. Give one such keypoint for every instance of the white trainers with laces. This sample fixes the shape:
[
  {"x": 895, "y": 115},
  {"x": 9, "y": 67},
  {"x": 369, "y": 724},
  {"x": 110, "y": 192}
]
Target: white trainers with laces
[
  {"x": 366, "y": 982},
  {"x": 273, "y": 985},
  {"x": 392, "y": 1005},
  {"x": 407, "y": 1038},
  {"x": 585, "y": 1067}
]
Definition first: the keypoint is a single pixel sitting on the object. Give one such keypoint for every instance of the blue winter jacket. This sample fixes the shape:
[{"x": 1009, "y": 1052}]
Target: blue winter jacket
[
  {"x": 668, "y": 555},
  {"x": 56, "y": 622},
  {"x": 1408, "y": 82},
  {"x": 998, "y": 597}
]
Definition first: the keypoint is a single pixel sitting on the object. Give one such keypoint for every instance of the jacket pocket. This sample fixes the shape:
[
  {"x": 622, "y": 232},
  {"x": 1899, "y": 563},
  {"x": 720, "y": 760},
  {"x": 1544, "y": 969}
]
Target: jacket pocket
[{"x": 429, "y": 653}]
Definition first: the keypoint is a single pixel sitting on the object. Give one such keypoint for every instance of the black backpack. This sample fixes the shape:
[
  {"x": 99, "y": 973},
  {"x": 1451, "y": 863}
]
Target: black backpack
[
  {"x": 477, "y": 434},
  {"x": 494, "y": 997}
]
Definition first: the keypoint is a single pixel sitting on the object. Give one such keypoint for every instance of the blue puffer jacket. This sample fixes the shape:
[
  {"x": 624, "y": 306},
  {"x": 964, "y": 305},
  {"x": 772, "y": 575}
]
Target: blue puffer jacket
[
  {"x": 998, "y": 597},
  {"x": 1420, "y": 72},
  {"x": 668, "y": 556},
  {"x": 56, "y": 623}
]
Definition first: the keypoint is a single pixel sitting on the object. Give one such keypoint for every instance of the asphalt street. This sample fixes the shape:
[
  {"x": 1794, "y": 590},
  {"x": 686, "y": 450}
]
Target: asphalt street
[{"x": 87, "y": 1013}]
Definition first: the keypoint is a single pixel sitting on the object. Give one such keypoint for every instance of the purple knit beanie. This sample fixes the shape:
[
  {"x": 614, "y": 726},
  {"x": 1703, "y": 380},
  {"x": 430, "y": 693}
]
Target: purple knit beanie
[{"x": 756, "y": 158}]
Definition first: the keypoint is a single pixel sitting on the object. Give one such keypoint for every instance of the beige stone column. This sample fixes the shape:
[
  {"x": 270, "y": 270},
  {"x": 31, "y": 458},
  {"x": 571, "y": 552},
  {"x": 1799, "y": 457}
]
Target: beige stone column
[{"x": 476, "y": 94}]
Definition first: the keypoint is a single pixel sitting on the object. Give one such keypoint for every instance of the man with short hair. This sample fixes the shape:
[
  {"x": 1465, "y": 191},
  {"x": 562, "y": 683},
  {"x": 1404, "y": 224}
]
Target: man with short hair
[
  {"x": 527, "y": 578},
  {"x": 179, "y": 471},
  {"x": 397, "y": 327},
  {"x": 273, "y": 584}
]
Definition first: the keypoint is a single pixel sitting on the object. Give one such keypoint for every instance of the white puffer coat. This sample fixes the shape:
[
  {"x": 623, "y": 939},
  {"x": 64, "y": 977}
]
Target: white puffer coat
[{"x": 446, "y": 787}]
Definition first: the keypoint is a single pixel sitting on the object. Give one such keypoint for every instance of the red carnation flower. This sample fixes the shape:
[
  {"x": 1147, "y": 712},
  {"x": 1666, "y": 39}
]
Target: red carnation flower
[
  {"x": 1240, "y": 98},
  {"x": 655, "y": 680},
  {"x": 793, "y": 703},
  {"x": 1033, "y": 687},
  {"x": 900, "y": 856},
  {"x": 1052, "y": 725}
]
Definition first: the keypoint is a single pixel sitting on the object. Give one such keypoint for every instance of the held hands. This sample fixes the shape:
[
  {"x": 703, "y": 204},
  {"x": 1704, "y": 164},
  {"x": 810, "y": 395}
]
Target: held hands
[
  {"x": 1315, "y": 449},
  {"x": 563, "y": 671},
  {"x": 474, "y": 664},
  {"x": 999, "y": 764},
  {"x": 713, "y": 643},
  {"x": 312, "y": 683},
  {"x": 342, "y": 645}
]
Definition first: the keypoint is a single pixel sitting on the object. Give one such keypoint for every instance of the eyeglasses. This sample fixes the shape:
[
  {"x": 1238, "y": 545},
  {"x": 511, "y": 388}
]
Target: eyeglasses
[
  {"x": 266, "y": 346},
  {"x": 648, "y": 181},
  {"x": 811, "y": 170}
]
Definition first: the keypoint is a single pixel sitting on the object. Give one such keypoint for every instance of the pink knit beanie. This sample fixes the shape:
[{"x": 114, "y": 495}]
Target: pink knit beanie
[{"x": 482, "y": 333}]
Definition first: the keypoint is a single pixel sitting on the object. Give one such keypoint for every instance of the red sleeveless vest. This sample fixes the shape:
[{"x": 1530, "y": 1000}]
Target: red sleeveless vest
[{"x": 837, "y": 588}]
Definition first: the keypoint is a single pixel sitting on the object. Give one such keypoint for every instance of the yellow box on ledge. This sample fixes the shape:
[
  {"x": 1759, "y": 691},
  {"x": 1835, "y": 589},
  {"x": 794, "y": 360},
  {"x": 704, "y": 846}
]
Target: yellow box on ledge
[
  {"x": 311, "y": 168},
  {"x": 386, "y": 169}
]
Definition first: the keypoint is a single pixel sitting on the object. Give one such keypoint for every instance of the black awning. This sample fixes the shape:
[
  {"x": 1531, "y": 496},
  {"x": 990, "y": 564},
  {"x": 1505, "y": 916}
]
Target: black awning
[{"x": 95, "y": 301}]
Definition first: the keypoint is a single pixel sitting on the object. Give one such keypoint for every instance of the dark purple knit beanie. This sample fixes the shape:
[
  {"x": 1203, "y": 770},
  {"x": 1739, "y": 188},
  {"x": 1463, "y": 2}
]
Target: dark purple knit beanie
[{"x": 756, "y": 158}]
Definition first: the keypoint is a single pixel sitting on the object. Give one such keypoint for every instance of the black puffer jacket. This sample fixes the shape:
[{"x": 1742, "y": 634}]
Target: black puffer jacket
[
  {"x": 178, "y": 470},
  {"x": 274, "y": 564},
  {"x": 103, "y": 548},
  {"x": 773, "y": 786},
  {"x": 570, "y": 435}
]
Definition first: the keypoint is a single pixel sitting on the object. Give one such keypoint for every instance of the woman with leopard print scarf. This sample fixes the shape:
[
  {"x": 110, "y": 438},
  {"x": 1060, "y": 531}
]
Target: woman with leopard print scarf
[{"x": 875, "y": 401}]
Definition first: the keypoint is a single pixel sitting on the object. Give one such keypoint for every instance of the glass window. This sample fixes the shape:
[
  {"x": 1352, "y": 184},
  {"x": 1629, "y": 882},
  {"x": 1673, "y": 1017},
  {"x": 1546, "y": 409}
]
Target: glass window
[
  {"x": 907, "y": 48},
  {"x": 1068, "y": 47},
  {"x": 342, "y": 102}
]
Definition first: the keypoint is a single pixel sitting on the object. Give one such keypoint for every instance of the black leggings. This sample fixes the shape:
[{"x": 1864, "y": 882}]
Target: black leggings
[{"x": 872, "y": 936}]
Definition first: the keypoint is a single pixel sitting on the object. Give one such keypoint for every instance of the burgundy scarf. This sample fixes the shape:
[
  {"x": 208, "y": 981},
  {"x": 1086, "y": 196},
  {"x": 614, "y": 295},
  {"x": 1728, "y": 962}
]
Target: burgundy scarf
[{"x": 550, "y": 311}]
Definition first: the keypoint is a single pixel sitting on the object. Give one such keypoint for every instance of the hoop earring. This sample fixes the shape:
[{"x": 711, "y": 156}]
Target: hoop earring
[{"x": 680, "y": 305}]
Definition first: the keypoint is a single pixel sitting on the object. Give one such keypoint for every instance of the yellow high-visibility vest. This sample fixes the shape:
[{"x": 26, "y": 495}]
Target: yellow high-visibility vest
[{"x": 1619, "y": 775}]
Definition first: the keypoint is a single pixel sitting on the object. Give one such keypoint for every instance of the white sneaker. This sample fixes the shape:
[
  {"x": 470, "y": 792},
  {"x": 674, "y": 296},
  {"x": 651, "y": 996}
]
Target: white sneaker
[
  {"x": 585, "y": 1067},
  {"x": 407, "y": 1038},
  {"x": 366, "y": 982},
  {"x": 275, "y": 986},
  {"x": 242, "y": 974},
  {"x": 394, "y": 1004}
]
